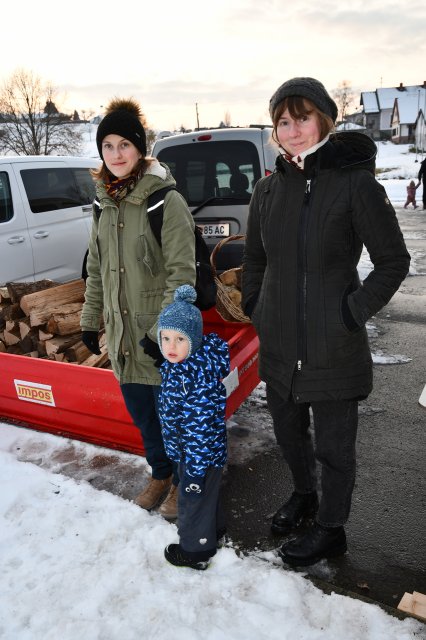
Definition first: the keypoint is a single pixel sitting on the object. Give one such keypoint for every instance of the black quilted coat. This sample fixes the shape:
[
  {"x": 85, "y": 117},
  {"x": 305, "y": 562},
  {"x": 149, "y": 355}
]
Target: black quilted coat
[{"x": 300, "y": 282}]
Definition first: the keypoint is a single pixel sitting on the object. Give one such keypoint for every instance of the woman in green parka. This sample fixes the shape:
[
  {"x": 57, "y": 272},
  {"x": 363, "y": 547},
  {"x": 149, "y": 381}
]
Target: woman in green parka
[
  {"x": 307, "y": 225},
  {"x": 131, "y": 279}
]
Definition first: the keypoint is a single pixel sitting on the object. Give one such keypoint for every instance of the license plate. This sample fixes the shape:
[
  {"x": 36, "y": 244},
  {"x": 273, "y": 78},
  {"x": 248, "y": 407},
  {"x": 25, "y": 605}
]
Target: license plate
[{"x": 214, "y": 230}]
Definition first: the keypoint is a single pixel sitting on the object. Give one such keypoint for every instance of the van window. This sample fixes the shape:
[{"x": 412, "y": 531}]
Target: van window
[
  {"x": 49, "y": 189},
  {"x": 214, "y": 169},
  {"x": 6, "y": 206}
]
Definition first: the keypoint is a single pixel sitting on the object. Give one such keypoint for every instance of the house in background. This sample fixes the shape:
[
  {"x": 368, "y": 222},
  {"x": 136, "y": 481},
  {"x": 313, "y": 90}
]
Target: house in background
[
  {"x": 404, "y": 116},
  {"x": 378, "y": 108}
]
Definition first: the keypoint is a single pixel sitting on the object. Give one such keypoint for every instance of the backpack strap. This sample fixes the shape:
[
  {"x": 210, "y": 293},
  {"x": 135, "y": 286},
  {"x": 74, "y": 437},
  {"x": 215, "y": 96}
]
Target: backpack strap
[{"x": 155, "y": 210}]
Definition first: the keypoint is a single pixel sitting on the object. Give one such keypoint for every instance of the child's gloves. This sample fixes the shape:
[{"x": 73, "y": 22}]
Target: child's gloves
[
  {"x": 152, "y": 350},
  {"x": 91, "y": 340},
  {"x": 193, "y": 485}
]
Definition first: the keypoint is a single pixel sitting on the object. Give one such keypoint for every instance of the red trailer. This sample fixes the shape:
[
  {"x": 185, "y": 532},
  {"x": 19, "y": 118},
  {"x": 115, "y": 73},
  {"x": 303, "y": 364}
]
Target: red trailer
[{"x": 85, "y": 403}]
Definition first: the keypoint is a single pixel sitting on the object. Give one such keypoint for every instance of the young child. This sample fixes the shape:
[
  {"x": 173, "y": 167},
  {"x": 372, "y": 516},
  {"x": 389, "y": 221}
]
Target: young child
[
  {"x": 192, "y": 413},
  {"x": 411, "y": 194}
]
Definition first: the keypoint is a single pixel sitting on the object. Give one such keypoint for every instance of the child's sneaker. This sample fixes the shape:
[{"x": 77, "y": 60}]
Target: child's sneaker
[{"x": 177, "y": 556}]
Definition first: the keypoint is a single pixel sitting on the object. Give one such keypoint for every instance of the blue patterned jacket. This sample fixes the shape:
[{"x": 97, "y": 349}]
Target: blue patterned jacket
[{"x": 192, "y": 407}]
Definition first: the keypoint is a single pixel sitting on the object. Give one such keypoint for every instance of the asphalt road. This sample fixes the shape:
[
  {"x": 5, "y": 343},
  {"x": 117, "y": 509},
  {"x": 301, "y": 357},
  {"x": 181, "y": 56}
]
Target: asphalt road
[{"x": 387, "y": 527}]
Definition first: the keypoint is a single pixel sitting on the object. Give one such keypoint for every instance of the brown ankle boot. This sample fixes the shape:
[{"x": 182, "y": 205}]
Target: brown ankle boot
[
  {"x": 169, "y": 508},
  {"x": 153, "y": 493}
]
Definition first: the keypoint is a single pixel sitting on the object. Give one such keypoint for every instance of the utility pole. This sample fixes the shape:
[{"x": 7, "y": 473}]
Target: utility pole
[{"x": 196, "y": 111}]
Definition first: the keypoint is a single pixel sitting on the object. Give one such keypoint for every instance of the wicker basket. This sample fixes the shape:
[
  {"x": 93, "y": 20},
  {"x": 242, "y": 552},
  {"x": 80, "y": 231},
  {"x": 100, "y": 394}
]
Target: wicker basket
[{"x": 225, "y": 306}]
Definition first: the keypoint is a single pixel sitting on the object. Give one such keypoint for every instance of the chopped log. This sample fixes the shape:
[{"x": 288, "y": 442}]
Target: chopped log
[
  {"x": 11, "y": 325},
  {"x": 60, "y": 343},
  {"x": 2, "y": 347},
  {"x": 41, "y": 347},
  {"x": 12, "y": 312},
  {"x": 15, "y": 349},
  {"x": 43, "y": 335},
  {"x": 39, "y": 305},
  {"x": 59, "y": 357},
  {"x": 11, "y": 337},
  {"x": 17, "y": 290},
  {"x": 4, "y": 295},
  {"x": 64, "y": 324},
  {"x": 96, "y": 360},
  {"x": 24, "y": 327},
  {"x": 77, "y": 352},
  {"x": 28, "y": 343},
  {"x": 32, "y": 354}
]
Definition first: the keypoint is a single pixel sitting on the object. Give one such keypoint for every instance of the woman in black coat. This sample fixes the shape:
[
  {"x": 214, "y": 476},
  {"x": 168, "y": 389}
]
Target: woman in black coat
[{"x": 307, "y": 224}]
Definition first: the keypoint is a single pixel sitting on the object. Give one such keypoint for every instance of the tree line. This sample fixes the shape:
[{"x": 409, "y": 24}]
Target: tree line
[{"x": 31, "y": 123}]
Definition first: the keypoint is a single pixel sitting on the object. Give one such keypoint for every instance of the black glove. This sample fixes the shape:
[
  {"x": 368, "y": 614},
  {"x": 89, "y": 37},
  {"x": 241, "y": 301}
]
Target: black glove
[
  {"x": 91, "y": 340},
  {"x": 193, "y": 485},
  {"x": 152, "y": 350}
]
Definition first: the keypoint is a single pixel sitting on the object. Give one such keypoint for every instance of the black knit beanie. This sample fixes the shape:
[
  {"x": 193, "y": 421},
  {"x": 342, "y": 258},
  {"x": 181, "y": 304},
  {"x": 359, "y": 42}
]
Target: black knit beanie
[
  {"x": 123, "y": 118},
  {"x": 308, "y": 88}
]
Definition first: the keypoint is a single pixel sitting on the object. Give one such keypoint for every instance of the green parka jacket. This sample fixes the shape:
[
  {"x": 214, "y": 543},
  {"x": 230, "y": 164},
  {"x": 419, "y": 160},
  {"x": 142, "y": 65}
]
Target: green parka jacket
[
  {"x": 300, "y": 282},
  {"x": 130, "y": 277}
]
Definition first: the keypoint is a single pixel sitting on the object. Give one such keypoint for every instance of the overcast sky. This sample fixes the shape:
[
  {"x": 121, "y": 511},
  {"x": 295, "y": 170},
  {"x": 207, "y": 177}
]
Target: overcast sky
[{"x": 224, "y": 55}]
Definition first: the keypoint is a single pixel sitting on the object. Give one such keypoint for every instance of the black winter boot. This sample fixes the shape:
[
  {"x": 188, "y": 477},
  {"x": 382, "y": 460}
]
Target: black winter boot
[
  {"x": 181, "y": 558},
  {"x": 319, "y": 542},
  {"x": 291, "y": 515}
]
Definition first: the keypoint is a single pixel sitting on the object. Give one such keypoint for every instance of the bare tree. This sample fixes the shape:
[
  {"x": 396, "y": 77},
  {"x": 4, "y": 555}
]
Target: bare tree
[
  {"x": 32, "y": 126},
  {"x": 344, "y": 98},
  {"x": 150, "y": 138}
]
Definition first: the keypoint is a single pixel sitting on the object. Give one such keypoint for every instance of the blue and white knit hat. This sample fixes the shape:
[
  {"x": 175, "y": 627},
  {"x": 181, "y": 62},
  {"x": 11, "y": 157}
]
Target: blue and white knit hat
[{"x": 182, "y": 316}]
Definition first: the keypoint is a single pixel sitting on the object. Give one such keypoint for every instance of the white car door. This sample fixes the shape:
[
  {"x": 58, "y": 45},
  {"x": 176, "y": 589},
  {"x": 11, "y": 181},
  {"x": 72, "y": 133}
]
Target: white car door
[
  {"x": 55, "y": 218},
  {"x": 16, "y": 256}
]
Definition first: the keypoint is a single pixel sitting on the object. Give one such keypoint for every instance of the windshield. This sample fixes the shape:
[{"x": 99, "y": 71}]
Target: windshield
[{"x": 204, "y": 170}]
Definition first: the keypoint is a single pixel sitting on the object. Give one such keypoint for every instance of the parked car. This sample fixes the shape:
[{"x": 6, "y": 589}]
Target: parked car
[
  {"x": 215, "y": 171},
  {"x": 45, "y": 217}
]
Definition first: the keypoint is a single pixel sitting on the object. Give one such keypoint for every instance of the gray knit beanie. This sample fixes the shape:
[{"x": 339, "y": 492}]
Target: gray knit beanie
[
  {"x": 183, "y": 316},
  {"x": 308, "y": 88}
]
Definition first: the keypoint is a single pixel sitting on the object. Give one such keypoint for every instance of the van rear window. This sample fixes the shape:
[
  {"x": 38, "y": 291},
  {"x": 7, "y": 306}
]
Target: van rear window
[
  {"x": 222, "y": 169},
  {"x": 49, "y": 189}
]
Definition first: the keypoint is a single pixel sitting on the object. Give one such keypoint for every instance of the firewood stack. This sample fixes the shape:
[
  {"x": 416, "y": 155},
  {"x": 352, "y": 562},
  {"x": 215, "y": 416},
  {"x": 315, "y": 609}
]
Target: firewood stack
[{"x": 42, "y": 320}]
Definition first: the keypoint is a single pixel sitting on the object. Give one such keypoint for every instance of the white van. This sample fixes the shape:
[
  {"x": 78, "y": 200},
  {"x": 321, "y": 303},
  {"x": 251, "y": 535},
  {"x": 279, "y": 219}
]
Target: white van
[
  {"x": 45, "y": 217},
  {"x": 215, "y": 171}
]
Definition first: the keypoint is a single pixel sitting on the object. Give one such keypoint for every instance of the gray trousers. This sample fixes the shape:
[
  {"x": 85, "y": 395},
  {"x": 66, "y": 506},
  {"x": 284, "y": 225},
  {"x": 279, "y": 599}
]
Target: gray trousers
[
  {"x": 335, "y": 427},
  {"x": 200, "y": 518}
]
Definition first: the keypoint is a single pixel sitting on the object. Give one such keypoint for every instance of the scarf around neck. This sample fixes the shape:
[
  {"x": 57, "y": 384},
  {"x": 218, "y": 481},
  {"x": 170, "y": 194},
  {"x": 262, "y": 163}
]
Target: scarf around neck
[
  {"x": 299, "y": 160},
  {"x": 119, "y": 188}
]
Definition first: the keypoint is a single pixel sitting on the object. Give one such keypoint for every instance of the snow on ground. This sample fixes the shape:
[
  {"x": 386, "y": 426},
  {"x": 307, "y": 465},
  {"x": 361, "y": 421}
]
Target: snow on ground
[
  {"x": 78, "y": 562},
  {"x": 81, "y": 563}
]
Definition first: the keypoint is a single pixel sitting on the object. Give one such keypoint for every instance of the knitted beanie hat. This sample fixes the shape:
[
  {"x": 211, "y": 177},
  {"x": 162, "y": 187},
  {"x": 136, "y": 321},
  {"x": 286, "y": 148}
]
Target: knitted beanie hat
[
  {"x": 183, "y": 316},
  {"x": 308, "y": 88},
  {"x": 123, "y": 118}
]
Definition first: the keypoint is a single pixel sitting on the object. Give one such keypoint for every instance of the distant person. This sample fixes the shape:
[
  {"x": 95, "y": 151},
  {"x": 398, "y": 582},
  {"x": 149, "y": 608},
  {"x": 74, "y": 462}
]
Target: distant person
[
  {"x": 307, "y": 225},
  {"x": 411, "y": 194},
  {"x": 192, "y": 411},
  {"x": 422, "y": 176},
  {"x": 131, "y": 278}
]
